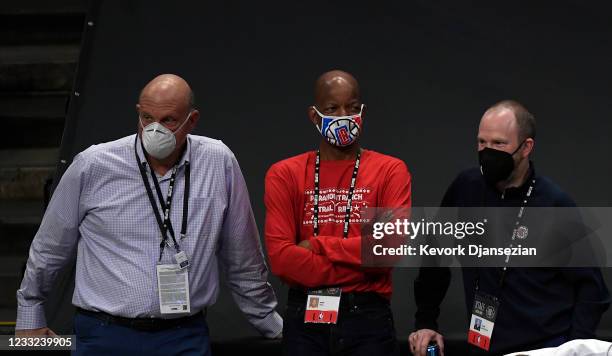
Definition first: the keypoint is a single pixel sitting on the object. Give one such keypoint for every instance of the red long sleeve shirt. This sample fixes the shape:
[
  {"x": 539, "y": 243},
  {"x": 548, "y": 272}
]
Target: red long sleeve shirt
[{"x": 382, "y": 181}]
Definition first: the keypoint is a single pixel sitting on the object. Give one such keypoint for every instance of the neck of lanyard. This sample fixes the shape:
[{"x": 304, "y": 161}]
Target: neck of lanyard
[
  {"x": 350, "y": 195},
  {"x": 519, "y": 217},
  {"x": 165, "y": 225}
]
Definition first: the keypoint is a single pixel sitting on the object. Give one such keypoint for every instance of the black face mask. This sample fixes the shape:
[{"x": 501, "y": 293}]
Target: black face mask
[{"x": 496, "y": 165}]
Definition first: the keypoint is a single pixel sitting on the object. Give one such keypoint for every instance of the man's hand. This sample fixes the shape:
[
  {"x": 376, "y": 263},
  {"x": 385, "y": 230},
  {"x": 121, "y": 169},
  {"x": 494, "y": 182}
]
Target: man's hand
[
  {"x": 305, "y": 244},
  {"x": 34, "y": 332},
  {"x": 421, "y": 338}
]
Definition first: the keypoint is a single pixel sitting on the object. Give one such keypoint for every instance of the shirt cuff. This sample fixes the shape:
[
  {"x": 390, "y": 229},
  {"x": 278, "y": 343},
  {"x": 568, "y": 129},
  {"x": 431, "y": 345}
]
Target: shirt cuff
[
  {"x": 31, "y": 317},
  {"x": 271, "y": 326}
]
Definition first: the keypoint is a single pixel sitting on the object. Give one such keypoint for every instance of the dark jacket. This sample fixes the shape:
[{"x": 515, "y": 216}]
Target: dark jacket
[{"x": 540, "y": 307}]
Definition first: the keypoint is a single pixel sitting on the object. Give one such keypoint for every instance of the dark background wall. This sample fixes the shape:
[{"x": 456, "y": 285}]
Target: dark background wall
[{"x": 428, "y": 70}]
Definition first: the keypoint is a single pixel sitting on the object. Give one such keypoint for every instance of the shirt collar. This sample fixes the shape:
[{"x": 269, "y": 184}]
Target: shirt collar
[{"x": 522, "y": 189}]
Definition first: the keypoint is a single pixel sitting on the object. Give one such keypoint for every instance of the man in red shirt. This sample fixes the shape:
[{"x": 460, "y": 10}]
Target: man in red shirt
[{"x": 314, "y": 204}]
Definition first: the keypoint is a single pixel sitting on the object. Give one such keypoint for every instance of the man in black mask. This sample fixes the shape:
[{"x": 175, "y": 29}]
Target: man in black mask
[{"x": 539, "y": 307}]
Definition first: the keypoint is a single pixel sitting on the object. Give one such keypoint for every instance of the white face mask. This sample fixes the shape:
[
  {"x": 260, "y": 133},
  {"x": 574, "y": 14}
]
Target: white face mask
[
  {"x": 158, "y": 140},
  {"x": 340, "y": 131}
]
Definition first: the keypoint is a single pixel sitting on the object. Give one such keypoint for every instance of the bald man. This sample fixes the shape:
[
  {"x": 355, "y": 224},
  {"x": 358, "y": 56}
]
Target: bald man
[
  {"x": 538, "y": 307},
  {"x": 314, "y": 203},
  {"x": 150, "y": 217}
]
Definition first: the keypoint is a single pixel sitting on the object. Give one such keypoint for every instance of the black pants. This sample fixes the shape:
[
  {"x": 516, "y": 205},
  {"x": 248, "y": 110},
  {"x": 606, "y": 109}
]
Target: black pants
[{"x": 365, "y": 327}]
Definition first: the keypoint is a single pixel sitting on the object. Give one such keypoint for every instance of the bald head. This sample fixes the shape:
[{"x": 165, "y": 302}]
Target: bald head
[
  {"x": 336, "y": 93},
  {"x": 168, "y": 100},
  {"x": 333, "y": 81},
  {"x": 523, "y": 119},
  {"x": 168, "y": 89},
  {"x": 507, "y": 126}
]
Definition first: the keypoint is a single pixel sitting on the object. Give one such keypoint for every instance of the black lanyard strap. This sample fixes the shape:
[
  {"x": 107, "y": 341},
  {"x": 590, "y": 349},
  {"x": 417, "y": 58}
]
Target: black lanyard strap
[
  {"x": 167, "y": 205},
  {"x": 350, "y": 195},
  {"x": 160, "y": 223},
  {"x": 516, "y": 226},
  {"x": 165, "y": 225}
]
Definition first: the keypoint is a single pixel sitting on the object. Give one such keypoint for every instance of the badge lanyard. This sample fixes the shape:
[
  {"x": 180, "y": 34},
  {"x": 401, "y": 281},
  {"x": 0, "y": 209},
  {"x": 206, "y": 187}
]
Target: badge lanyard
[
  {"x": 322, "y": 305},
  {"x": 519, "y": 217},
  {"x": 350, "y": 195},
  {"x": 486, "y": 307},
  {"x": 165, "y": 225},
  {"x": 516, "y": 226}
]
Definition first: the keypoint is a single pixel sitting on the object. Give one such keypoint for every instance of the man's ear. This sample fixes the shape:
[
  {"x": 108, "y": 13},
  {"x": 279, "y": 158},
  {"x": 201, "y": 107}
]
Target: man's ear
[
  {"x": 194, "y": 118},
  {"x": 529, "y": 146},
  {"x": 364, "y": 110},
  {"x": 313, "y": 116}
]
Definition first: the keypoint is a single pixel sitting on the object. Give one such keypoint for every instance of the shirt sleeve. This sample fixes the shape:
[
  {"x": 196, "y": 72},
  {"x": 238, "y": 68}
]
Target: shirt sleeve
[
  {"x": 592, "y": 299},
  {"x": 54, "y": 245},
  {"x": 432, "y": 282},
  {"x": 591, "y": 296},
  {"x": 242, "y": 259},
  {"x": 293, "y": 264},
  {"x": 395, "y": 193},
  {"x": 430, "y": 287}
]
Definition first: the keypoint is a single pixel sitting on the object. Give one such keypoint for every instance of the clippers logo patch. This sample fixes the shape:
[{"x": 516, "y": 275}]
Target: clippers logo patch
[
  {"x": 342, "y": 135},
  {"x": 341, "y": 132}
]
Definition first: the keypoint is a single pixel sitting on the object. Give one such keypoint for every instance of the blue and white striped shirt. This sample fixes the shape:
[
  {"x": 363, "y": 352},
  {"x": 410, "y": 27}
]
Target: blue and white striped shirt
[{"x": 100, "y": 211}]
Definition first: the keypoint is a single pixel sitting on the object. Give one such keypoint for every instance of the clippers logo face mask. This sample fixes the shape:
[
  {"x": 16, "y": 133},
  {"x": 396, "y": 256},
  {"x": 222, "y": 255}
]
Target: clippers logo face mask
[{"x": 340, "y": 131}]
